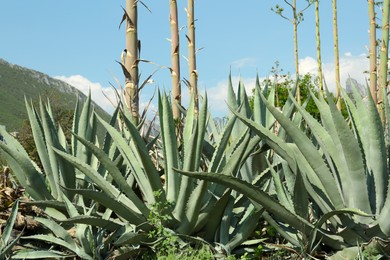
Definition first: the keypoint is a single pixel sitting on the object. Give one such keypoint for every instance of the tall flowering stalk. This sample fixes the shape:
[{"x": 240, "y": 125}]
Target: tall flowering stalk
[
  {"x": 175, "y": 56},
  {"x": 131, "y": 59},
  {"x": 384, "y": 51},
  {"x": 296, "y": 20},
  {"x": 193, "y": 82},
  {"x": 336, "y": 53},
  {"x": 373, "y": 52},
  {"x": 318, "y": 43}
]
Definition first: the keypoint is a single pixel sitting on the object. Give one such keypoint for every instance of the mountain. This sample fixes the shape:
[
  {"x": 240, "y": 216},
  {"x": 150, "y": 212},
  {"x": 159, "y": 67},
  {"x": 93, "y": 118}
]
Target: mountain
[
  {"x": 353, "y": 83},
  {"x": 17, "y": 82}
]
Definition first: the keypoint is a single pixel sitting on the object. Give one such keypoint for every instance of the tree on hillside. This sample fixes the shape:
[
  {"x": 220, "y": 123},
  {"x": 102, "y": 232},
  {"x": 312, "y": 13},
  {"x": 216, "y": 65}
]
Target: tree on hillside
[
  {"x": 307, "y": 84},
  {"x": 296, "y": 19}
]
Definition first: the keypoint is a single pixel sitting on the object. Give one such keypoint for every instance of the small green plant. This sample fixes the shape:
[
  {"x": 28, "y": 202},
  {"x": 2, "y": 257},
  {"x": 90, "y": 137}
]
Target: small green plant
[
  {"x": 168, "y": 244},
  {"x": 166, "y": 240}
]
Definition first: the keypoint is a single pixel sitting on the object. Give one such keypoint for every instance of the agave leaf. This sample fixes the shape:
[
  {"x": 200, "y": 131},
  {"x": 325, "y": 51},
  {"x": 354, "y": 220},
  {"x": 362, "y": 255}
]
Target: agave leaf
[
  {"x": 110, "y": 166},
  {"x": 214, "y": 130},
  {"x": 14, "y": 144},
  {"x": 311, "y": 153},
  {"x": 107, "y": 144},
  {"x": 270, "y": 119},
  {"x": 289, "y": 176},
  {"x": 51, "y": 139},
  {"x": 238, "y": 156},
  {"x": 217, "y": 212},
  {"x": 83, "y": 130},
  {"x": 142, "y": 153},
  {"x": 129, "y": 156},
  {"x": 82, "y": 230},
  {"x": 67, "y": 171},
  {"x": 39, "y": 140},
  {"x": 283, "y": 197},
  {"x": 10, "y": 224},
  {"x": 254, "y": 194},
  {"x": 312, "y": 182},
  {"x": 347, "y": 157},
  {"x": 260, "y": 197},
  {"x": 55, "y": 204},
  {"x": 189, "y": 126},
  {"x": 340, "y": 143},
  {"x": 384, "y": 215},
  {"x": 273, "y": 141},
  {"x": 57, "y": 230},
  {"x": 202, "y": 126},
  {"x": 328, "y": 215},
  {"x": 75, "y": 126},
  {"x": 243, "y": 99},
  {"x": 245, "y": 228},
  {"x": 323, "y": 135},
  {"x": 170, "y": 148},
  {"x": 186, "y": 185},
  {"x": 58, "y": 241},
  {"x": 94, "y": 221},
  {"x": 224, "y": 227},
  {"x": 358, "y": 192},
  {"x": 259, "y": 108},
  {"x": 97, "y": 179},
  {"x": 288, "y": 110},
  {"x": 371, "y": 134},
  {"x": 243, "y": 107},
  {"x": 282, "y": 230},
  {"x": 301, "y": 198},
  {"x": 232, "y": 100},
  {"x": 39, "y": 254},
  {"x": 129, "y": 238},
  {"x": 137, "y": 155},
  {"x": 6, "y": 249},
  {"x": 221, "y": 146},
  {"x": 194, "y": 204},
  {"x": 26, "y": 173},
  {"x": 114, "y": 204}
]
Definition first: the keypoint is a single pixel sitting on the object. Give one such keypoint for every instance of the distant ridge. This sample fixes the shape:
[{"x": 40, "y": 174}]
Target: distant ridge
[
  {"x": 353, "y": 83},
  {"x": 17, "y": 82}
]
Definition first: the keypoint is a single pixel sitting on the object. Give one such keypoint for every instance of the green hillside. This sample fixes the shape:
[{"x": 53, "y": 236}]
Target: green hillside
[{"x": 17, "y": 82}]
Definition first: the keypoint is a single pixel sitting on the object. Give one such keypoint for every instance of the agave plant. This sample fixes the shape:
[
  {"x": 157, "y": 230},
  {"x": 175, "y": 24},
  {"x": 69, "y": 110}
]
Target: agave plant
[
  {"x": 192, "y": 202},
  {"x": 51, "y": 187},
  {"x": 107, "y": 193},
  {"x": 332, "y": 186}
]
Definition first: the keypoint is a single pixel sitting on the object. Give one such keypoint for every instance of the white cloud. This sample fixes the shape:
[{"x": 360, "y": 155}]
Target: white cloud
[
  {"x": 350, "y": 66},
  {"x": 100, "y": 94},
  {"x": 244, "y": 62},
  {"x": 84, "y": 85}
]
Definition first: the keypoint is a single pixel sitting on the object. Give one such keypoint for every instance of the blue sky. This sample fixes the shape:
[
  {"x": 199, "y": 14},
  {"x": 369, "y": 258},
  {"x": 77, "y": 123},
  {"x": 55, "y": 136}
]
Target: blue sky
[{"x": 79, "y": 41}]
